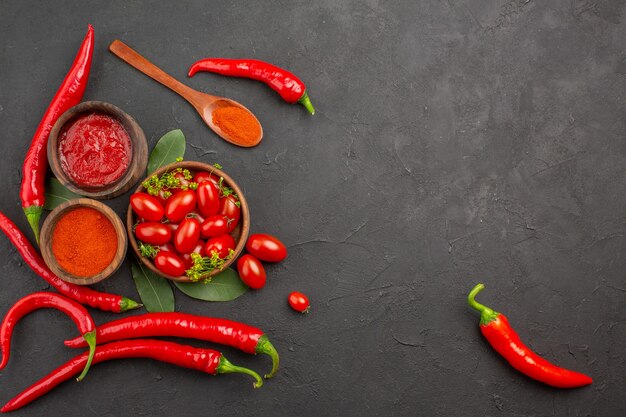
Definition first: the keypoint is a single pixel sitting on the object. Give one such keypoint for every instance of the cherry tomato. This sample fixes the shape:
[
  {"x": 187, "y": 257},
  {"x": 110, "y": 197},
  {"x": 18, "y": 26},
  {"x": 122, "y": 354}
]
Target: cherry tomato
[
  {"x": 187, "y": 235},
  {"x": 169, "y": 263},
  {"x": 229, "y": 207},
  {"x": 266, "y": 247},
  {"x": 161, "y": 197},
  {"x": 220, "y": 244},
  {"x": 202, "y": 176},
  {"x": 173, "y": 228},
  {"x": 179, "y": 205},
  {"x": 214, "y": 226},
  {"x": 196, "y": 215},
  {"x": 251, "y": 272},
  {"x": 208, "y": 198},
  {"x": 184, "y": 182},
  {"x": 168, "y": 247},
  {"x": 147, "y": 207},
  {"x": 299, "y": 302},
  {"x": 153, "y": 233},
  {"x": 186, "y": 257}
]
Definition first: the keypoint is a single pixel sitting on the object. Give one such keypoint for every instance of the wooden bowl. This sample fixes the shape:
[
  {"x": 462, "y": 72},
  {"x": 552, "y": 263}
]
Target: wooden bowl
[
  {"x": 139, "y": 150},
  {"x": 46, "y": 240},
  {"x": 240, "y": 233}
]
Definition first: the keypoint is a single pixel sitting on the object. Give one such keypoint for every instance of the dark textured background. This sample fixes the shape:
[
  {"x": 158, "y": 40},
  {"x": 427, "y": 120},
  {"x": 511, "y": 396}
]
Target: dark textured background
[{"x": 455, "y": 141}]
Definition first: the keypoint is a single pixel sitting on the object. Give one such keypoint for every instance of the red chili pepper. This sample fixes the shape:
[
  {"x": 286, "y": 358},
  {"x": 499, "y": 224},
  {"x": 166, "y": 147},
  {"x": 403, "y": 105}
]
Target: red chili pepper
[
  {"x": 498, "y": 332},
  {"x": 84, "y": 295},
  {"x": 290, "y": 88},
  {"x": 39, "y": 300},
  {"x": 36, "y": 163},
  {"x": 226, "y": 332},
  {"x": 205, "y": 360}
]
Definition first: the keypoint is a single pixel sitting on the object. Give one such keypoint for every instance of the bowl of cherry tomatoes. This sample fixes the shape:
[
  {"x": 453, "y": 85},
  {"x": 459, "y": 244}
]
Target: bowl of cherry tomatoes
[{"x": 188, "y": 221}]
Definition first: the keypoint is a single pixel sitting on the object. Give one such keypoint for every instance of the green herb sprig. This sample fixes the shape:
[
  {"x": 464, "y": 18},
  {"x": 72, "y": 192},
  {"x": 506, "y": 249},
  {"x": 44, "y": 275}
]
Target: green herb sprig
[
  {"x": 147, "y": 250},
  {"x": 203, "y": 265},
  {"x": 169, "y": 181}
]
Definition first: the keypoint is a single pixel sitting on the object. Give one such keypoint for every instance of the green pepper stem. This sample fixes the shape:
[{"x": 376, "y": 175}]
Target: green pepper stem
[
  {"x": 265, "y": 346},
  {"x": 306, "y": 102},
  {"x": 33, "y": 214},
  {"x": 90, "y": 338},
  {"x": 128, "y": 304},
  {"x": 487, "y": 315},
  {"x": 225, "y": 367}
]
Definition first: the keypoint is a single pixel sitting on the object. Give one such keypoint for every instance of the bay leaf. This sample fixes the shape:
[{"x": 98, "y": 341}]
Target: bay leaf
[
  {"x": 225, "y": 286},
  {"x": 57, "y": 194},
  {"x": 155, "y": 291},
  {"x": 170, "y": 147}
]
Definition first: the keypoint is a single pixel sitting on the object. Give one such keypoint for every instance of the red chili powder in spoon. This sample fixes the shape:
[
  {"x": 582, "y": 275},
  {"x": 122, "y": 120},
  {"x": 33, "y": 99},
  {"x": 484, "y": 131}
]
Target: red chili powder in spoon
[
  {"x": 237, "y": 123},
  {"x": 84, "y": 242}
]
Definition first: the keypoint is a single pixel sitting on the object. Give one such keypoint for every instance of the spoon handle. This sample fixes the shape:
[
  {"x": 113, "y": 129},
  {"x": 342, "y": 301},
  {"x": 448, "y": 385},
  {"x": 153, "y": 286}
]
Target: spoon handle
[{"x": 131, "y": 57}]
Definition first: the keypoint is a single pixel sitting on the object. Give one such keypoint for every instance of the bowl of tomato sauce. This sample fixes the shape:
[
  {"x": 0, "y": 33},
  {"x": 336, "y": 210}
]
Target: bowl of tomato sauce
[
  {"x": 188, "y": 221},
  {"x": 97, "y": 150}
]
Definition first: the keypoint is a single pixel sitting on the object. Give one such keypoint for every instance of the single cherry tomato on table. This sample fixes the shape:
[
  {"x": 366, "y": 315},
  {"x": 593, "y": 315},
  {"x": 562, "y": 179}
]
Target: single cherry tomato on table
[
  {"x": 266, "y": 247},
  {"x": 214, "y": 226},
  {"x": 147, "y": 207},
  {"x": 153, "y": 233},
  {"x": 251, "y": 272},
  {"x": 221, "y": 245},
  {"x": 208, "y": 198},
  {"x": 179, "y": 205},
  {"x": 169, "y": 263},
  {"x": 299, "y": 302},
  {"x": 230, "y": 207},
  {"x": 187, "y": 235}
]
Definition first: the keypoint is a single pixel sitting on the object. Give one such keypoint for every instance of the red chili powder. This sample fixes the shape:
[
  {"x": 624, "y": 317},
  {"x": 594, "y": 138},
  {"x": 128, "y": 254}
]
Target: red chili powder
[
  {"x": 84, "y": 242},
  {"x": 237, "y": 123}
]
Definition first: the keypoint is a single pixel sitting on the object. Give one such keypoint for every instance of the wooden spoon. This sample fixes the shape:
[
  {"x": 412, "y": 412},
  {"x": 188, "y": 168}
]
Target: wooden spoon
[{"x": 205, "y": 104}]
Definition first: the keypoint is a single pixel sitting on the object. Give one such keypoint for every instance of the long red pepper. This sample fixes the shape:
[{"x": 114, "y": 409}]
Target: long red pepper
[
  {"x": 82, "y": 294},
  {"x": 39, "y": 300},
  {"x": 205, "y": 360},
  {"x": 226, "y": 332},
  {"x": 68, "y": 95},
  {"x": 290, "y": 88},
  {"x": 498, "y": 332}
]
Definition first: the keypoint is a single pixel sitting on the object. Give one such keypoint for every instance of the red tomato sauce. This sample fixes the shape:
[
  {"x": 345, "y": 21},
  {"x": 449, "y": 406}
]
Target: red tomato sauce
[{"x": 94, "y": 150}]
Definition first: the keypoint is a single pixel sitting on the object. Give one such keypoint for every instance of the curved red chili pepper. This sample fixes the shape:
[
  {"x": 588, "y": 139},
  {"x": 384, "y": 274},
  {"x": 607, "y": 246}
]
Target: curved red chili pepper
[
  {"x": 68, "y": 95},
  {"x": 290, "y": 88},
  {"x": 204, "y": 360},
  {"x": 82, "y": 294},
  {"x": 226, "y": 332},
  {"x": 498, "y": 332},
  {"x": 39, "y": 300}
]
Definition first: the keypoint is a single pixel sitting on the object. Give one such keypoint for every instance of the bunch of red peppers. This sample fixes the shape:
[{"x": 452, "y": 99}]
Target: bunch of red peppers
[
  {"x": 115, "y": 335},
  {"x": 116, "y": 340}
]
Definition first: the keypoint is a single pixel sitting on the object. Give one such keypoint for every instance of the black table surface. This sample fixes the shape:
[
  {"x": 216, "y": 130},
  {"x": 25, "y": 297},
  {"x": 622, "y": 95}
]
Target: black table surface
[{"x": 454, "y": 142}]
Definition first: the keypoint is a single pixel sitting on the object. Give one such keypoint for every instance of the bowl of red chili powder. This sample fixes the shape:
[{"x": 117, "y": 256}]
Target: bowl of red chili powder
[
  {"x": 97, "y": 150},
  {"x": 83, "y": 241}
]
